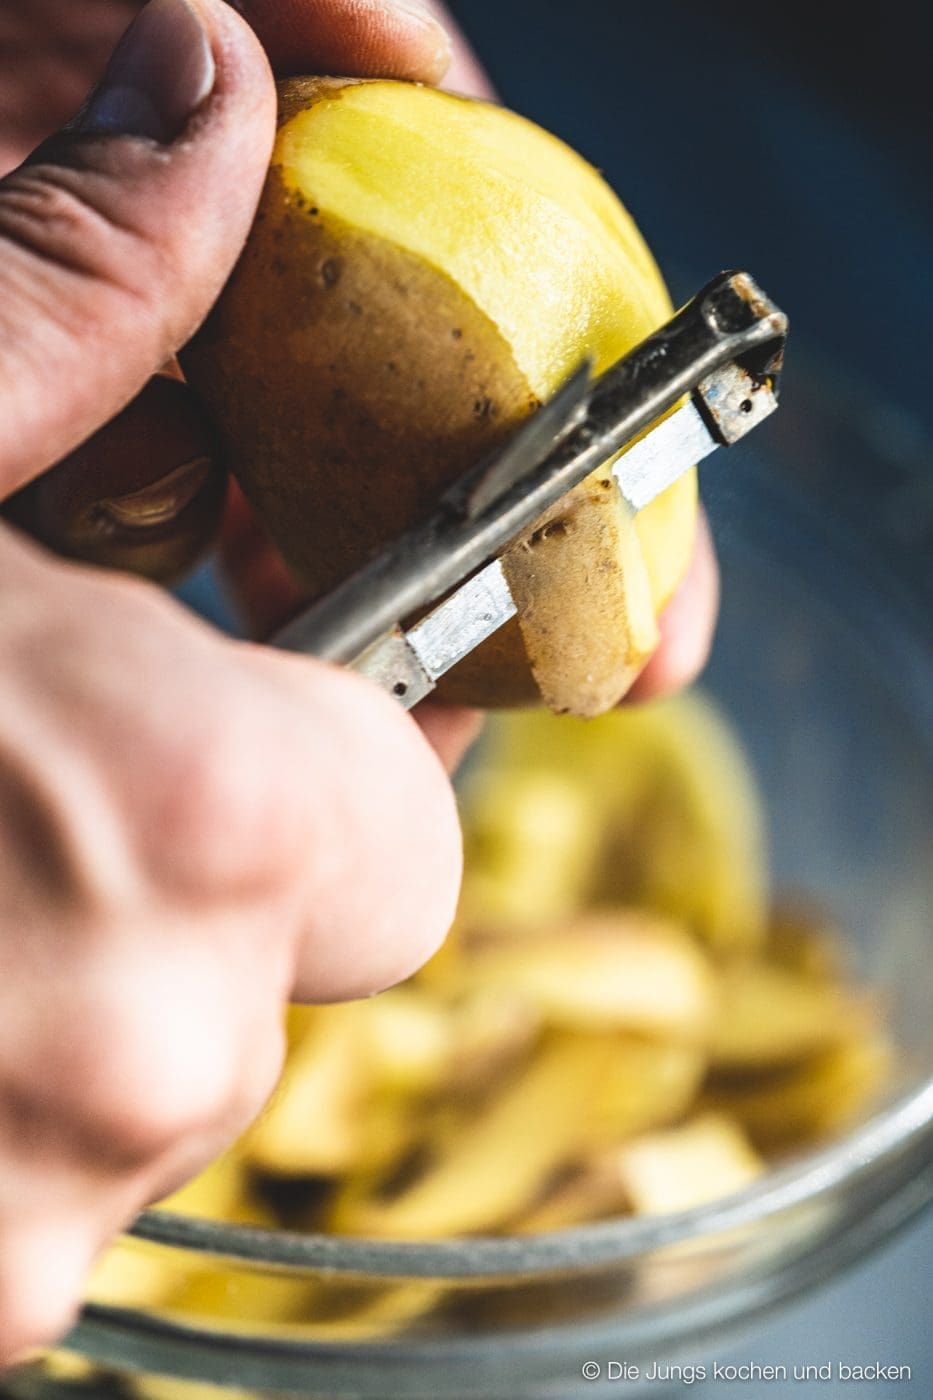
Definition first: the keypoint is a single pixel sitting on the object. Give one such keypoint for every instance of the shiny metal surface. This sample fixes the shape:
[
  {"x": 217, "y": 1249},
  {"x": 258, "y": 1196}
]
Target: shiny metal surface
[{"x": 728, "y": 323}]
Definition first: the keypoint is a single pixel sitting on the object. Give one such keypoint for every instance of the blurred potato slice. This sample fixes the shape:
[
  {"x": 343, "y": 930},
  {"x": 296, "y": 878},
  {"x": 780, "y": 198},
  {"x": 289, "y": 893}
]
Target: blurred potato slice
[
  {"x": 407, "y": 1040},
  {"x": 132, "y": 1274},
  {"x": 804, "y": 940},
  {"x": 164, "y": 1388},
  {"x": 694, "y": 846},
  {"x": 812, "y": 1100},
  {"x": 312, "y": 1125},
  {"x": 366, "y": 1311},
  {"x": 492, "y": 1027},
  {"x": 687, "y": 1166},
  {"x": 532, "y": 839},
  {"x": 346, "y": 1100},
  {"x": 652, "y": 1083},
  {"x": 592, "y": 1192},
  {"x": 497, "y": 1159},
  {"x": 681, "y": 825},
  {"x": 238, "y": 1299},
  {"x": 770, "y": 1016},
  {"x": 575, "y": 1093},
  {"x": 69, "y": 1369},
  {"x": 622, "y": 969},
  {"x": 300, "y": 1022},
  {"x": 393, "y": 1128}
]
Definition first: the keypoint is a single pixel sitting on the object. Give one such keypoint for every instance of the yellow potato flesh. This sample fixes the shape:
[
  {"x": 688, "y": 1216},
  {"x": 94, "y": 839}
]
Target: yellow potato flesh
[
  {"x": 534, "y": 236},
  {"x": 669, "y": 789},
  {"x": 686, "y": 1166},
  {"x": 771, "y": 1017},
  {"x": 615, "y": 970},
  {"x": 540, "y": 243},
  {"x": 424, "y": 271},
  {"x": 531, "y": 847}
]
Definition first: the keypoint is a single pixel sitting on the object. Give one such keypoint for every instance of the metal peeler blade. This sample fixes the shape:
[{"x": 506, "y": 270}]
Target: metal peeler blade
[{"x": 724, "y": 350}]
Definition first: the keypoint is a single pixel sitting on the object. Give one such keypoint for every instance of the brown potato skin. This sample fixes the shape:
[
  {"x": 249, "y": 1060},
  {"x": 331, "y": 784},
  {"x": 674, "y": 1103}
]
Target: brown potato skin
[{"x": 352, "y": 383}]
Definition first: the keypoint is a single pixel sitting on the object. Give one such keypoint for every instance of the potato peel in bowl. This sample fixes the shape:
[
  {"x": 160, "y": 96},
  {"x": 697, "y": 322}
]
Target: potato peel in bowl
[{"x": 616, "y": 1056}]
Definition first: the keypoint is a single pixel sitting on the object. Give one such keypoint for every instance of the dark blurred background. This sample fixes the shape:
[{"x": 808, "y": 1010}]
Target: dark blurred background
[{"x": 794, "y": 140}]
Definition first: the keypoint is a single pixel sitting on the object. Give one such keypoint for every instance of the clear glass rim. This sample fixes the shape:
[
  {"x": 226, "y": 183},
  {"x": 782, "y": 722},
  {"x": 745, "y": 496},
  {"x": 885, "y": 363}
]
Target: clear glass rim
[{"x": 905, "y": 1125}]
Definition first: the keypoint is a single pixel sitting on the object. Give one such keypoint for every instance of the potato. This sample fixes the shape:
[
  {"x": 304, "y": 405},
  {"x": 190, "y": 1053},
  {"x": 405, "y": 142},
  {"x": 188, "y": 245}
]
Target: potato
[
  {"x": 677, "y": 1168},
  {"x": 423, "y": 272},
  {"x": 812, "y": 1100},
  {"x": 313, "y": 1124},
  {"x": 771, "y": 1017},
  {"x": 136, "y": 1273},
  {"x": 614, "y": 970},
  {"x": 671, "y": 794},
  {"x": 532, "y": 842},
  {"x": 576, "y": 1094}
]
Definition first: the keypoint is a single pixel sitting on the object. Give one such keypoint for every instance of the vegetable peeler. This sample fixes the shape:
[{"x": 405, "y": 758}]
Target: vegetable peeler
[{"x": 721, "y": 354}]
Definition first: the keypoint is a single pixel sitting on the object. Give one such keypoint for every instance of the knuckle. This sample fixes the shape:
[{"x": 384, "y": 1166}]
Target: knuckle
[
  {"x": 238, "y": 808},
  {"x": 169, "y": 1044},
  {"x": 151, "y": 1071},
  {"x": 188, "y": 1089},
  {"x": 44, "y": 217},
  {"x": 210, "y": 813}
]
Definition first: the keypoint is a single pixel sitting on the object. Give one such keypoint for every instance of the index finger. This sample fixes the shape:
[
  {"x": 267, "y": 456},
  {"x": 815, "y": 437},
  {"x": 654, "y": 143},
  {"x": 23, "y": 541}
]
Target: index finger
[{"x": 350, "y": 38}]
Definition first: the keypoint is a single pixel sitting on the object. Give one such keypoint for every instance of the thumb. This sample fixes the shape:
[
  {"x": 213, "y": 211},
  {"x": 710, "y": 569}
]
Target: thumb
[{"x": 117, "y": 234}]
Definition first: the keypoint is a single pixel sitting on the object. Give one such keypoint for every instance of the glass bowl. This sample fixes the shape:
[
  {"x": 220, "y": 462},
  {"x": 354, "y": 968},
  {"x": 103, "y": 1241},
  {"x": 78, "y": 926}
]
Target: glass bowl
[{"x": 823, "y": 663}]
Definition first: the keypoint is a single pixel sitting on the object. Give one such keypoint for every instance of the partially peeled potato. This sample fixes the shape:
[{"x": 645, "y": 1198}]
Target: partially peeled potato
[{"x": 424, "y": 271}]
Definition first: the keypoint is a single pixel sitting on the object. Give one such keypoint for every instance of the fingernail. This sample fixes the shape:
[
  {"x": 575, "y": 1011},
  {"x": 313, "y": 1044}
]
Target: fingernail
[
  {"x": 432, "y": 26},
  {"x": 160, "y": 73},
  {"x": 158, "y": 503}
]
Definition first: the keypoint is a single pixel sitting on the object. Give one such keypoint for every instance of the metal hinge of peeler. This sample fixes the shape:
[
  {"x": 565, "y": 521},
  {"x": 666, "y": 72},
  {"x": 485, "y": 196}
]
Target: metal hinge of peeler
[{"x": 724, "y": 349}]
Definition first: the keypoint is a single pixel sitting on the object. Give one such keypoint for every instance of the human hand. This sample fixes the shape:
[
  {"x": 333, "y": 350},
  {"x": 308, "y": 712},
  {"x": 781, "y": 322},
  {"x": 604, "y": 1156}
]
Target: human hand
[
  {"x": 186, "y": 817},
  {"x": 192, "y": 830},
  {"x": 145, "y": 493}
]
